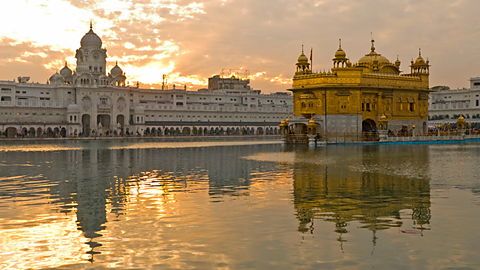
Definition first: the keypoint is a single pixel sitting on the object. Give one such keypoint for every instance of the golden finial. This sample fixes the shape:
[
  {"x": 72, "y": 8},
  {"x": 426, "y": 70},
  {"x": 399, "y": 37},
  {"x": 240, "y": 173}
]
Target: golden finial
[
  {"x": 340, "y": 43},
  {"x": 91, "y": 26},
  {"x": 302, "y": 48},
  {"x": 419, "y": 51},
  {"x": 116, "y": 62},
  {"x": 65, "y": 62}
]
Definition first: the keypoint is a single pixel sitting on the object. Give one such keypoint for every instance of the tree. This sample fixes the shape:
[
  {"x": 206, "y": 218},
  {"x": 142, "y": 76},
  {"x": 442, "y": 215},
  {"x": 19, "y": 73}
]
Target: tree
[{"x": 440, "y": 88}]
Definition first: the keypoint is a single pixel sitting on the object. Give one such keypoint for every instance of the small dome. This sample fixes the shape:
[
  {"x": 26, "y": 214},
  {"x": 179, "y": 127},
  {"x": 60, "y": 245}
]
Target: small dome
[
  {"x": 91, "y": 40},
  {"x": 383, "y": 117},
  {"x": 461, "y": 118},
  {"x": 302, "y": 58},
  {"x": 283, "y": 123},
  {"x": 340, "y": 53},
  {"x": 288, "y": 119},
  {"x": 419, "y": 60},
  {"x": 397, "y": 63},
  {"x": 139, "y": 109},
  {"x": 311, "y": 122},
  {"x": 116, "y": 70},
  {"x": 56, "y": 76},
  {"x": 66, "y": 71},
  {"x": 73, "y": 108}
]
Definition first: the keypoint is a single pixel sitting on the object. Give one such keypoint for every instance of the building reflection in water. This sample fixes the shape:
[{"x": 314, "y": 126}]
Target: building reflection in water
[
  {"x": 365, "y": 185},
  {"x": 100, "y": 181}
]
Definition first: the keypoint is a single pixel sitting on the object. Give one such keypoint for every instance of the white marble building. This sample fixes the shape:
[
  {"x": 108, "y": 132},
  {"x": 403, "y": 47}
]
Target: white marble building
[
  {"x": 445, "y": 106},
  {"x": 89, "y": 102}
]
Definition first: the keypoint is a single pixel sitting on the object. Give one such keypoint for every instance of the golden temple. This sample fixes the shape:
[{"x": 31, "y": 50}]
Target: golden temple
[{"x": 352, "y": 98}]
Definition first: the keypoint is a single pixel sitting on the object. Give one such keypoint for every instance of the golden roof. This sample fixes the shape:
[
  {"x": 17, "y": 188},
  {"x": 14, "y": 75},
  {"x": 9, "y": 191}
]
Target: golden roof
[
  {"x": 419, "y": 60},
  {"x": 369, "y": 59},
  {"x": 311, "y": 122},
  {"x": 302, "y": 58}
]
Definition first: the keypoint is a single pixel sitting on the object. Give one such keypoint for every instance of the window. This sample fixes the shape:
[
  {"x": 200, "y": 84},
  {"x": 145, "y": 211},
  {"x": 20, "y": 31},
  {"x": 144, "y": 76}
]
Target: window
[{"x": 103, "y": 101}]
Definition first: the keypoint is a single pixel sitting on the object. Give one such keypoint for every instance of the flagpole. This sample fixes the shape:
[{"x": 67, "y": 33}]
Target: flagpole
[{"x": 311, "y": 59}]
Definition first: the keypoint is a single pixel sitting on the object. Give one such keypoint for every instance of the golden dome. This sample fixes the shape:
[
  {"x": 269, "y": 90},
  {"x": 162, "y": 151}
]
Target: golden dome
[
  {"x": 302, "y": 58},
  {"x": 288, "y": 119},
  {"x": 311, "y": 122},
  {"x": 397, "y": 63},
  {"x": 340, "y": 53},
  {"x": 369, "y": 59},
  {"x": 283, "y": 123},
  {"x": 419, "y": 60},
  {"x": 461, "y": 118},
  {"x": 383, "y": 117}
]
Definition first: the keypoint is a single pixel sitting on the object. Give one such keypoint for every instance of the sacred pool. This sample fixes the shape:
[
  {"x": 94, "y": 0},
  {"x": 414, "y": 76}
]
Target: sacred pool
[{"x": 237, "y": 204}]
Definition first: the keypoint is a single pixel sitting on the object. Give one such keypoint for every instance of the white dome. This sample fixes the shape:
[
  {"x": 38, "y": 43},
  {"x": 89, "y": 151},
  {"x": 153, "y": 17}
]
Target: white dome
[
  {"x": 139, "y": 109},
  {"x": 66, "y": 71},
  {"x": 116, "y": 71},
  {"x": 91, "y": 40},
  {"x": 73, "y": 108},
  {"x": 56, "y": 76}
]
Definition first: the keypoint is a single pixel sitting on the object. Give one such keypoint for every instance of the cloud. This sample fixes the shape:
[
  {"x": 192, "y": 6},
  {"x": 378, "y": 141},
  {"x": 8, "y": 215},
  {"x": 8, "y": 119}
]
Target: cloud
[{"x": 201, "y": 38}]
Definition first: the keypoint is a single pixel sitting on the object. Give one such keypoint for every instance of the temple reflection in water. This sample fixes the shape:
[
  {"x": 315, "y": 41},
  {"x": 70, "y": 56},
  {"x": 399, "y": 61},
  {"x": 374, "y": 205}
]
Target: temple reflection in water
[
  {"x": 372, "y": 192},
  {"x": 86, "y": 187}
]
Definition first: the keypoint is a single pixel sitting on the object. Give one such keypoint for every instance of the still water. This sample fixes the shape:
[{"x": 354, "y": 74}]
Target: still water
[{"x": 242, "y": 204}]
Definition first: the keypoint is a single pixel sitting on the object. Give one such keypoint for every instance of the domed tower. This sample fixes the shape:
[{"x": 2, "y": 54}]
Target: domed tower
[
  {"x": 303, "y": 67},
  {"x": 340, "y": 60},
  {"x": 117, "y": 76},
  {"x": 375, "y": 62},
  {"x": 91, "y": 58},
  {"x": 66, "y": 72},
  {"x": 420, "y": 66}
]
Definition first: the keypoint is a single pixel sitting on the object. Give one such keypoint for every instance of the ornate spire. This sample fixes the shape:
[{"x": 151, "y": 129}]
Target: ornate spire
[
  {"x": 302, "y": 48},
  {"x": 65, "y": 62},
  {"x": 340, "y": 43},
  {"x": 91, "y": 26}
]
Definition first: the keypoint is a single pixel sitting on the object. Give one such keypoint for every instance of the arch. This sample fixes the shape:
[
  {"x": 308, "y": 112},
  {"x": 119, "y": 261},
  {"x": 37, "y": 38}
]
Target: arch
[
  {"x": 177, "y": 131},
  {"x": 39, "y": 132},
  {"x": 63, "y": 132},
  {"x": 86, "y": 129},
  {"x": 205, "y": 131},
  {"x": 11, "y": 132},
  {"x": 147, "y": 131},
  {"x": 56, "y": 132},
  {"x": 186, "y": 131},
  {"x": 368, "y": 125},
  {"x": 31, "y": 132}
]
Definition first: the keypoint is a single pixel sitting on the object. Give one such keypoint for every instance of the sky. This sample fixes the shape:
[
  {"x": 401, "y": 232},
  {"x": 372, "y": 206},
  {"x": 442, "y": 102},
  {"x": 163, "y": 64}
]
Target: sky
[{"x": 190, "y": 41}]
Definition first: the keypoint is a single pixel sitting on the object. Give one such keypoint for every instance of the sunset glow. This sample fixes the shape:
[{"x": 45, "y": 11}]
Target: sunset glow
[{"x": 191, "y": 40}]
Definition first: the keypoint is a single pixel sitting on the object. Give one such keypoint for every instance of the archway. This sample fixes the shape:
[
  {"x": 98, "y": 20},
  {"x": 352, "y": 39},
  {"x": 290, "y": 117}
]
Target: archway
[
  {"x": 121, "y": 121},
  {"x": 39, "y": 132},
  {"x": 368, "y": 125},
  {"x": 186, "y": 131},
  {"x": 86, "y": 129},
  {"x": 63, "y": 132},
  {"x": 11, "y": 132},
  {"x": 31, "y": 132}
]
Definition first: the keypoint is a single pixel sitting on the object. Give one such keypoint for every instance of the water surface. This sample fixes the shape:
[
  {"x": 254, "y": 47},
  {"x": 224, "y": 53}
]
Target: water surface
[{"x": 243, "y": 204}]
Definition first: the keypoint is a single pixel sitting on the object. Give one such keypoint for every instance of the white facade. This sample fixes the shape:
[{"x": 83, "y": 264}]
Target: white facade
[
  {"x": 88, "y": 101},
  {"x": 447, "y": 105}
]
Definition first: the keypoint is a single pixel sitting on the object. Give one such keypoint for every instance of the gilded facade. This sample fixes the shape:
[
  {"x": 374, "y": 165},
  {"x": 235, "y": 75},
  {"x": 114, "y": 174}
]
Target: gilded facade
[{"x": 351, "y": 97}]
